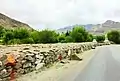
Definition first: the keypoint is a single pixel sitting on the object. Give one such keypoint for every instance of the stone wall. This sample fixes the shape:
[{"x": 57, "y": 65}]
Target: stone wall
[{"x": 37, "y": 56}]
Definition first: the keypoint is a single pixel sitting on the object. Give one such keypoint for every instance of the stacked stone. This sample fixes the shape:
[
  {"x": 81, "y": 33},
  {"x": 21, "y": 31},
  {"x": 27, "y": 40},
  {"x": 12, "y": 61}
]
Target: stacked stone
[{"x": 33, "y": 57}]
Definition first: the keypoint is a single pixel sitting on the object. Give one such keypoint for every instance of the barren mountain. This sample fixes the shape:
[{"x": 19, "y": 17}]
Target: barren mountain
[
  {"x": 96, "y": 28},
  {"x": 105, "y": 27},
  {"x": 10, "y": 23},
  {"x": 69, "y": 28}
]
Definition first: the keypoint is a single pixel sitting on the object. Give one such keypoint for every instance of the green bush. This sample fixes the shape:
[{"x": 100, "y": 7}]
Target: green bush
[
  {"x": 27, "y": 41},
  {"x": 89, "y": 38},
  {"x": 14, "y": 41},
  {"x": 61, "y": 38},
  {"x": 21, "y": 33},
  {"x": 68, "y": 39},
  {"x": 35, "y": 36},
  {"x": 24, "y": 36},
  {"x": 79, "y": 34},
  {"x": 8, "y": 36},
  {"x": 100, "y": 38},
  {"x": 114, "y": 36},
  {"x": 47, "y": 36},
  {"x": 2, "y": 31},
  {"x": 63, "y": 41}
]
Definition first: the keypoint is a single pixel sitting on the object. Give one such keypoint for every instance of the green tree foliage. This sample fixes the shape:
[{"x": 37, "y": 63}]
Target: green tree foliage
[
  {"x": 8, "y": 36},
  {"x": 68, "y": 39},
  {"x": 35, "y": 36},
  {"x": 100, "y": 38},
  {"x": 61, "y": 38},
  {"x": 14, "y": 41},
  {"x": 114, "y": 36},
  {"x": 79, "y": 34},
  {"x": 21, "y": 33},
  {"x": 89, "y": 38},
  {"x": 27, "y": 41},
  {"x": 2, "y": 31},
  {"x": 65, "y": 37},
  {"x": 67, "y": 33},
  {"x": 16, "y": 36},
  {"x": 24, "y": 36},
  {"x": 47, "y": 36}
]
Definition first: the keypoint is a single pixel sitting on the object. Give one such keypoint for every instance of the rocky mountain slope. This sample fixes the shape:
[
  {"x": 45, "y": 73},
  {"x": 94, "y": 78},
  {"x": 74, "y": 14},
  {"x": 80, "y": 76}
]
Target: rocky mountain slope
[
  {"x": 10, "y": 23},
  {"x": 105, "y": 27},
  {"x": 96, "y": 28},
  {"x": 69, "y": 28}
]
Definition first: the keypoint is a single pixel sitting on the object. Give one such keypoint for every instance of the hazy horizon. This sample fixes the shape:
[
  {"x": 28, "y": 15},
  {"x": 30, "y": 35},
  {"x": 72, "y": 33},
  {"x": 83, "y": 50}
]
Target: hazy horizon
[{"x": 41, "y": 14}]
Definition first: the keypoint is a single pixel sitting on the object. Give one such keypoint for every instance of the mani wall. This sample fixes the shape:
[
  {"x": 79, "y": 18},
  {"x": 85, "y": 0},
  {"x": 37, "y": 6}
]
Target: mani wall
[{"x": 37, "y": 56}]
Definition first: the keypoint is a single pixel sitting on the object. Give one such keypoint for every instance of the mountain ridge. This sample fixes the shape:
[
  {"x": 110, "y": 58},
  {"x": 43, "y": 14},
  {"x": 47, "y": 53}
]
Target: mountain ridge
[
  {"x": 95, "y": 28},
  {"x": 10, "y": 23}
]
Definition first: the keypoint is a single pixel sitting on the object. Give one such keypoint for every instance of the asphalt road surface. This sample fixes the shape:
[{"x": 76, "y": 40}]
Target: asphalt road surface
[{"x": 104, "y": 66}]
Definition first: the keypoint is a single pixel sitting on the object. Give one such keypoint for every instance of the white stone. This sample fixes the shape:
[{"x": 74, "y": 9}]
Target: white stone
[
  {"x": 30, "y": 54},
  {"x": 4, "y": 70},
  {"x": 38, "y": 61},
  {"x": 0, "y": 63},
  {"x": 40, "y": 65},
  {"x": 37, "y": 56},
  {"x": 94, "y": 41},
  {"x": 69, "y": 52}
]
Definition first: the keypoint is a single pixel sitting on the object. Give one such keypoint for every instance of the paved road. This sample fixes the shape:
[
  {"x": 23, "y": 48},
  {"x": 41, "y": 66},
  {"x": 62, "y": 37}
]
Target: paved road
[{"x": 104, "y": 66}]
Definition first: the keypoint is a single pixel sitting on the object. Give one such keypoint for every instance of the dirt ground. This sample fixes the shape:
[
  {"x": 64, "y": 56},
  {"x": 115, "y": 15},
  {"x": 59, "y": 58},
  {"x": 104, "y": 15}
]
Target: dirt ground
[{"x": 61, "y": 72}]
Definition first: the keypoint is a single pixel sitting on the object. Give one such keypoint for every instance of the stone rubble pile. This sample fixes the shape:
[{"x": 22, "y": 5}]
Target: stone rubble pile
[{"x": 37, "y": 56}]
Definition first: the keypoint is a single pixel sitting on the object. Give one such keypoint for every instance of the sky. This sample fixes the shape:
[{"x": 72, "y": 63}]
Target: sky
[{"x": 54, "y": 14}]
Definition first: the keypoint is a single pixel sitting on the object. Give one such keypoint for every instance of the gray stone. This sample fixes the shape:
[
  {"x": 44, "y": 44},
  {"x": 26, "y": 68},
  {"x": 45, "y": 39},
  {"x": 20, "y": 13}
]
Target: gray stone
[
  {"x": 26, "y": 48},
  {"x": 23, "y": 61},
  {"x": 18, "y": 65},
  {"x": 40, "y": 65},
  {"x": 43, "y": 55},
  {"x": 20, "y": 70},
  {"x": 75, "y": 57},
  {"x": 1, "y": 63},
  {"x": 30, "y": 54},
  {"x": 37, "y": 62},
  {"x": 37, "y": 56},
  {"x": 26, "y": 65}
]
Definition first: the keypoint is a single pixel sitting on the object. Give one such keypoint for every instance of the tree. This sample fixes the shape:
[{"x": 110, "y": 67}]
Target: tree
[
  {"x": 2, "y": 31},
  {"x": 8, "y": 36},
  {"x": 68, "y": 39},
  {"x": 27, "y": 41},
  {"x": 61, "y": 38},
  {"x": 114, "y": 36},
  {"x": 14, "y": 41},
  {"x": 100, "y": 38},
  {"x": 21, "y": 33},
  {"x": 67, "y": 33},
  {"x": 89, "y": 38},
  {"x": 35, "y": 36},
  {"x": 79, "y": 34},
  {"x": 47, "y": 36}
]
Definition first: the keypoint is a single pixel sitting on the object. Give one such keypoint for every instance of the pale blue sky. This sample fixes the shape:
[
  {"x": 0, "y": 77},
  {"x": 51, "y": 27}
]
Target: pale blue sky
[{"x": 59, "y": 13}]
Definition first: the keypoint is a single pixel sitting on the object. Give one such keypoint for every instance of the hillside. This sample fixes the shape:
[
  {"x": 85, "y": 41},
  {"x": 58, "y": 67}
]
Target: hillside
[
  {"x": 105, "y": 27},
  {"x": 69, "y": 28},
  {"x": 96, "y": 28},
  {"x": 10, "y": 23}
]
